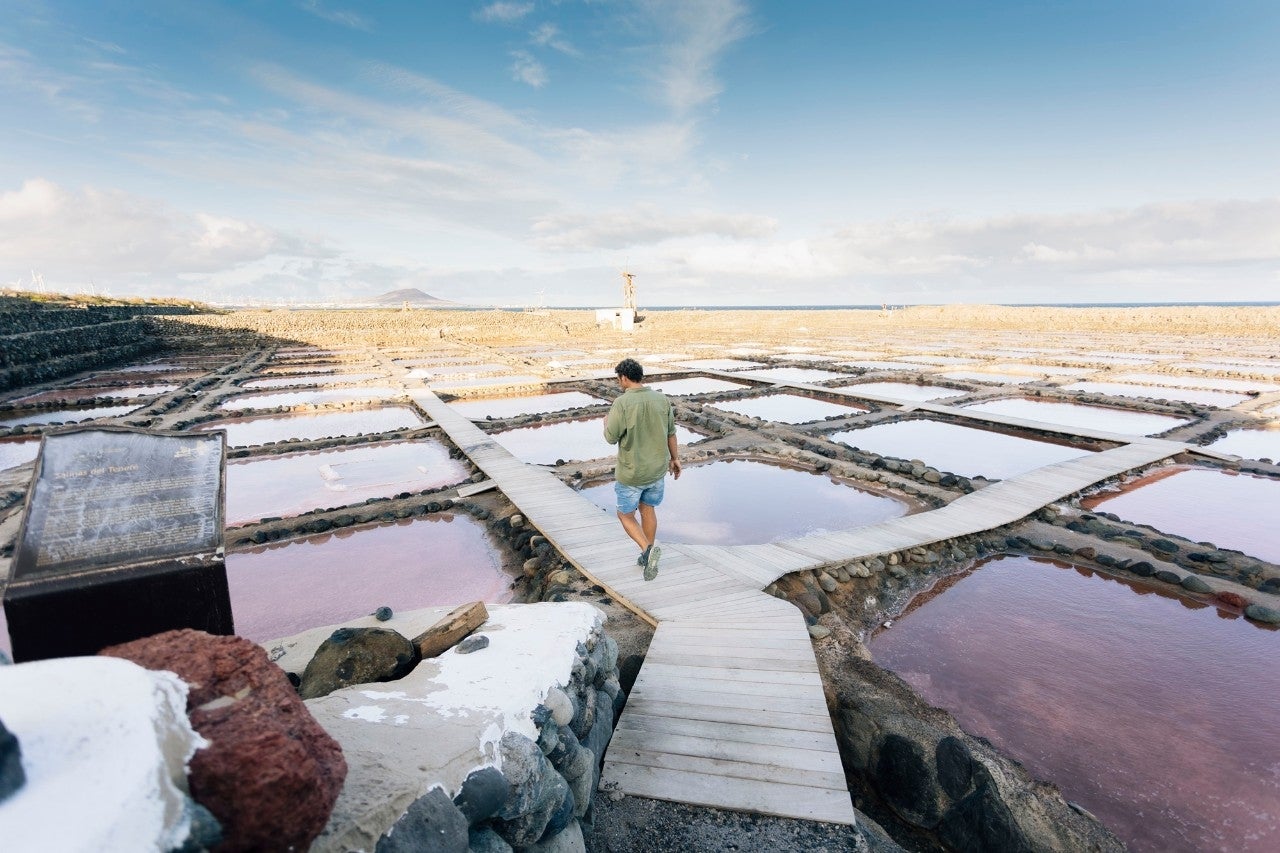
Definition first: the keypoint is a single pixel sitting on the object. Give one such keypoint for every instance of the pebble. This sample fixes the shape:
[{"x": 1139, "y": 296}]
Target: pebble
[
  {"x": 819, "y": 632},
  {"x": 1262, "y": 613},
  {"x": 382, "y": 614}
]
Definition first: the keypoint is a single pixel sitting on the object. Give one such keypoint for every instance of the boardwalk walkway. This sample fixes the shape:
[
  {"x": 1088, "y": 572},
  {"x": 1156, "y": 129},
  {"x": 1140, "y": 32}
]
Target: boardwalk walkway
[{"x": 728, "y": 709}]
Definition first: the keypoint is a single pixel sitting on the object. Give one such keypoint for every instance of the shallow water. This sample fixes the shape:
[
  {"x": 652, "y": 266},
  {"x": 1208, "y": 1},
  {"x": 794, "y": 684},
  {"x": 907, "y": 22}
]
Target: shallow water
[
  {"x": 246, "y": 433},
  {"x": 296, "y": 482},
  {"x": 1087, "y": 417},
  {"x": 788, "y": 408},
  {"x": 67, "y": 416},
  {"x": 444, "y": 559},
  {"x": 741, "y": 502},
  {"x": 17, "y": 451},
  {"x": 446, "y": 370},
  {"x": 887, "y": 365},
  {"x": 1235, "y": 511},
  {"x": 1221, "y": 399},
  {"x": 721, "y": 363},
  {"x": 574, "y": 441},
  {"x": 1210, "y": 382},
  {"x": 979, "y": 376},
  {"x": 310, "y": 379},
  {"x": 795, "y": 374},
  {"x": 506, "y": 407},
  {"x": 967, "y": 451},
  {"x": 1160, "y": 717},
  {"x": 694, "y": 385},
  {"x": 487, "y": 382},
  {"x": 304, "y": 398},
  {"x": 1251, "y": 443},
  {"x": 905, "y": 390}
]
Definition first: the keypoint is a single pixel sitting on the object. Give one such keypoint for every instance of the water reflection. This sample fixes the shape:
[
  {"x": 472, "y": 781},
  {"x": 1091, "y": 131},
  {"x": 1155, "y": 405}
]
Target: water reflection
[
  {"x": 302, "y": 398},
  {"x": 296, "y": 482},
  {"x": 1221, "y": 399},
  {"x": 741, "y": 502},
  {"x": 1162, "y": 720},
  {"x": 1087, "y": 417},
  {"x": 904, "y": 390},
  {"x": 17, "y": 451},
  {"x": 574, "y": 441},
  {"x": 1251, "y": 443},
  {"x": 795, "y": 374},
  {"x": 959, "y": 449},
  {"x": 506, "y": 407},
  {"x": 308, "y": 427},
  {"x": 788, "y": 408},
  {"x": 694, "y": 385},
  {"x": 283, "y": 589},
  {"x": 67, "y": 416},
  {"x": 1204, "y": 505}
]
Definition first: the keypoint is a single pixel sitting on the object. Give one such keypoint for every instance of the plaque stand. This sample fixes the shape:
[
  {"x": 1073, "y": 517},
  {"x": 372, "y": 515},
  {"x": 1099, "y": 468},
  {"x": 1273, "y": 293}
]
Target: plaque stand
[{"x": 122, "y": 537}]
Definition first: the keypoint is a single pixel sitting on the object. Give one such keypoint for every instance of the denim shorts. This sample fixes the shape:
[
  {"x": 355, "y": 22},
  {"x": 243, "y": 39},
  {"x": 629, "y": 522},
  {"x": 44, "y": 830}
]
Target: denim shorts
[{"x": 630, "y": 497}]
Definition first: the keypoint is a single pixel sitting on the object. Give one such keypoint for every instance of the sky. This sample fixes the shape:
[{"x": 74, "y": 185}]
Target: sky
[{"x": 725, "y": 152}]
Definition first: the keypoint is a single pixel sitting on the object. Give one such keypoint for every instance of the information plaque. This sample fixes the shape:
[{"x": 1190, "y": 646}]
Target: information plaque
[{"x": 122, "y": 537}]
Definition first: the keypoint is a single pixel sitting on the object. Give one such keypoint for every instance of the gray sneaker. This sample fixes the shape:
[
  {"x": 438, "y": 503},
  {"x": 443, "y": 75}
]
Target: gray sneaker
[{"x": 652, "y": 555}]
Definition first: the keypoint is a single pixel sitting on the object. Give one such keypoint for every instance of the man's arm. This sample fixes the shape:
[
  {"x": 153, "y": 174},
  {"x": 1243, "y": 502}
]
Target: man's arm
[
  {"x": 674, "y": 465},
  {"x": 613, "y": 427}
]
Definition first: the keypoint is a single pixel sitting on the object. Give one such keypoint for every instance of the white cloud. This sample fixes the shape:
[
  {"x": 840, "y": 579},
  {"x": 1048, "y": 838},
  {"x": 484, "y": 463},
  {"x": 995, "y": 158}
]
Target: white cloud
[
  {"x": 526, "y": 69},
  {"x": 106, "y": 234},
  {"x": 696, "y": 33},
  {"x": 342, "y": 17},
  {"x": 641, "y": 226},
  {"x": 503, "y": 13},
  {"x": 549, "y": 35}
]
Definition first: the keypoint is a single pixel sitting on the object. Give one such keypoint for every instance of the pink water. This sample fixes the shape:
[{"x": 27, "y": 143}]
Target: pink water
[
  {"x": 794, "y": 374},
  {"x": 962, "y": 450},
  {"x": 17, "y": 451},
  {"x": 1204, "y": 505},
  {"x": 505, "y": 407},
  {"x": 308, "y": 427},
  {"x": 1251, "y": 443},
  {"x": 67, "y": 416},
  {"x": 574, "y": 441},
  {"x": 1221, "y": 399},
  {"x": 788, "y": 408},
  {"x": 316, "y": 397},
  {"x": 296, "y": 482},
  {"x": 694, "y": 385},
  {"x": 744, "y": 502},
  {"x": 904, "y": 390},
  {"x": 278, "y": 590},
  {"x": 1160, "y": 716},
  {"x": 1075, "y": 415}
]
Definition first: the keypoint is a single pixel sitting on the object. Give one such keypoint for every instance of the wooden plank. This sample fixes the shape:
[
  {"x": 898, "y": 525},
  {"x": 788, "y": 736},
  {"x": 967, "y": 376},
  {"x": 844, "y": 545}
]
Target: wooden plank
[
  {"x": 743, "y": 794},
  {"x": 743, "y": 661},
  {"x": 823, "y": 741},
  {"x": 716, "y": 713},
  {"x": 726, "y": 758},
  {"x": 797, "y": 678}
]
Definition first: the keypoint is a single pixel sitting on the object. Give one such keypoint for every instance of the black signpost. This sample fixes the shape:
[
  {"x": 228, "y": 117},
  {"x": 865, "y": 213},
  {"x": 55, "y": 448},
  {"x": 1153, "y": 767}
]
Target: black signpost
[{"x": 122, "y": 537}]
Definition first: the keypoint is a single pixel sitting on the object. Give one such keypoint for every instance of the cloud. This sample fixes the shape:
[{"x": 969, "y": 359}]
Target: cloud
[
  {"x": 526, "y": 69},
  {"x": 641, "y": 226},
  {"x": 106, "y": 234},
  {"x": 695, "y": 34},
  {"x": 342, "y": 17},
  {"x": 503, "y": 13},
  {"x": 1149, "y": 248},
  {"x": 549, "y": 35}
]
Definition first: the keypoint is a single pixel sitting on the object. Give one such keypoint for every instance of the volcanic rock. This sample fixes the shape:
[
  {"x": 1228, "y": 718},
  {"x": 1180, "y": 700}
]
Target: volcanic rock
[
  {"x": 12, "y": 775},
  {"x": 357, "y": 656},
  {"x": 270, "y": 774}
]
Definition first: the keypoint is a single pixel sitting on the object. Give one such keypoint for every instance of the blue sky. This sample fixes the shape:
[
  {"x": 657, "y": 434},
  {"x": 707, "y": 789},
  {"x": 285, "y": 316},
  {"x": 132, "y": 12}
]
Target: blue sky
[{"x": 727, "y": 152}]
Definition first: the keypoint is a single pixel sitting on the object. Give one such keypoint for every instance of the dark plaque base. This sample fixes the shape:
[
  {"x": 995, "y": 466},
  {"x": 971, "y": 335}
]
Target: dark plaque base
[{"x": 63, "y": 620}]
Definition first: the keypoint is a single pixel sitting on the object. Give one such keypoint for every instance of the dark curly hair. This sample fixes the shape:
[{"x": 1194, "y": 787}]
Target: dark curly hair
[{"x": 631, "y": 369}]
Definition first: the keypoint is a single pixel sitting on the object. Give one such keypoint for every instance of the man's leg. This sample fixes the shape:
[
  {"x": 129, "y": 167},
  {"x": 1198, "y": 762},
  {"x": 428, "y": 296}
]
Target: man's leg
[
  {"x": 648, "y": 523},
  {"x": 634, "y": 528}
]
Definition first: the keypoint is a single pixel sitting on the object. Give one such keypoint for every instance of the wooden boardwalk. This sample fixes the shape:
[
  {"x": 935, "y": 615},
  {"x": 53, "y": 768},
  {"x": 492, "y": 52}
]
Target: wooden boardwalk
[{"x": 728, "y": 709}]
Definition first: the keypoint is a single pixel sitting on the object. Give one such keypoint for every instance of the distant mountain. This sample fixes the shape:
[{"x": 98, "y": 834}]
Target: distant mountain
[{"x": 411, "y": 295}]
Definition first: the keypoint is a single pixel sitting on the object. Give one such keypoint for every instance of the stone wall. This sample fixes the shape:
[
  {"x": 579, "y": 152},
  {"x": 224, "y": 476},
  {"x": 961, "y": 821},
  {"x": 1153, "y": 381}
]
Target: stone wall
[{"x": 44, "y": 344}]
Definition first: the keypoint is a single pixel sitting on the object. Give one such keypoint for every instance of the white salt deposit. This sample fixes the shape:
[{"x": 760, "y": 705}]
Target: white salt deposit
[{"x": 105, "y": 745}]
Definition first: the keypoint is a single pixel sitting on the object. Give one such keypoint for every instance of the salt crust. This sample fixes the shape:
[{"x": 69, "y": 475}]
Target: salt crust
[
  {"x": 105, "y": 745},
  {"x": 444, "y": 720}
]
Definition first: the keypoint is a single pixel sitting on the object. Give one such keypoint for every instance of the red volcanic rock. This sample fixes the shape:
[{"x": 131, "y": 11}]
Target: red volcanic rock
[
  {"x": 1235, "y": 599},
  {"x": 270, "y": 774}
]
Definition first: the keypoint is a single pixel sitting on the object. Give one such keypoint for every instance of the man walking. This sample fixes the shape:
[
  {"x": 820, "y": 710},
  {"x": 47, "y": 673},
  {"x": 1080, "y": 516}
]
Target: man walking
[{"x": 643, "y": 425}]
